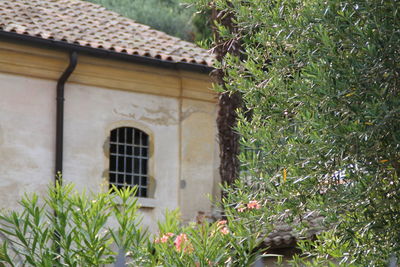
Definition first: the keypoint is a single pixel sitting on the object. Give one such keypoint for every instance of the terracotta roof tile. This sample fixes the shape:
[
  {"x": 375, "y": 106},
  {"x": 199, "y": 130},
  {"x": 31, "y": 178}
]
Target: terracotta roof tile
[{"x": 87, "y": 24}]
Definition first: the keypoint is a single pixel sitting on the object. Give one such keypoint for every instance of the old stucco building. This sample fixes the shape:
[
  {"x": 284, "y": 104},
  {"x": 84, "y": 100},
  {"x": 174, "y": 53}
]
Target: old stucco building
[{"x": 138, "y": 107}]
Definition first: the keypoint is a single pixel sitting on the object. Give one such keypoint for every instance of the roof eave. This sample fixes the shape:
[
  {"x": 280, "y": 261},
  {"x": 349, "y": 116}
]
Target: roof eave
[{"x": 187, "y": 66}]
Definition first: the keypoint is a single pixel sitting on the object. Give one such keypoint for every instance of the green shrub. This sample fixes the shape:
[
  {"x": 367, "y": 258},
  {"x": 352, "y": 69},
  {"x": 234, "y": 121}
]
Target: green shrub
[{"x": 68, "y": 228}]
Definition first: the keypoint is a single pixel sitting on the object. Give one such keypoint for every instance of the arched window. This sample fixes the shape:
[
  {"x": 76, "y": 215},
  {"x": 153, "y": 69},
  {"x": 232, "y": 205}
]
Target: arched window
[{"x": 129, "y": 159}]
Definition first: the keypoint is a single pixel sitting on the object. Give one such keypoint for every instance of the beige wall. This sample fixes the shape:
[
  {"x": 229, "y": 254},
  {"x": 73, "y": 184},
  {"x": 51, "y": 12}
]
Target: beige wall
[
  {"x": 178, "y": 112},
  {"x": 198, "y": 157},
  {"x": 90, "y": 114},
  {"x": 27, "y": 115}
]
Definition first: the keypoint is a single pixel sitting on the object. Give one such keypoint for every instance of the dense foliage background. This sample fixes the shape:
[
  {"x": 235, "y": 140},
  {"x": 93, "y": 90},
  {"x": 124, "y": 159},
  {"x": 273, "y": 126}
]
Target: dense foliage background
[
  {"x": 171, "y": 16},
  {"x": 320, "y": 130}
]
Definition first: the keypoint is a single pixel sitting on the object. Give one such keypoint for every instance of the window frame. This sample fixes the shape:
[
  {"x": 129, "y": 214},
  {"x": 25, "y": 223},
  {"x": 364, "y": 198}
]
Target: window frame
[
  {"x": 147, "y": 201},
  {"x": 129, "y": 157}
]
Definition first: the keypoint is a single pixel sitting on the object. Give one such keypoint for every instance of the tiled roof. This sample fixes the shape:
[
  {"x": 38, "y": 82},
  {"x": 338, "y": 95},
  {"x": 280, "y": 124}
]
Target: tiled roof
[{"x": 90, "y": 25}]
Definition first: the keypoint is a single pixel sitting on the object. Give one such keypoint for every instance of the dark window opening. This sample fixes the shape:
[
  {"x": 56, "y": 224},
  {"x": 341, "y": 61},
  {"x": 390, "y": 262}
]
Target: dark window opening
[{"x": 129, "y": 159}]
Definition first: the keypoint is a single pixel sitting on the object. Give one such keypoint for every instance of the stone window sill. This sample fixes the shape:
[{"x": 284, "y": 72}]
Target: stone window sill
[
  {"x": 143, "y": 202},
  {"x": 147, "y": 203}
]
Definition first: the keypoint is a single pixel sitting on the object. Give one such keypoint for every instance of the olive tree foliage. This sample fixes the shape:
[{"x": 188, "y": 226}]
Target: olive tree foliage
[{"x": 320, "y": 131}]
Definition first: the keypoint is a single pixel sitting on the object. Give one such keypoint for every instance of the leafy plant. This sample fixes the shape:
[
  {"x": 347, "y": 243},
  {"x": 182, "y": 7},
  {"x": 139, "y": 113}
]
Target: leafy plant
[
  {"x": 320, "y": 130},
  {"x": 68, "y": 228}
]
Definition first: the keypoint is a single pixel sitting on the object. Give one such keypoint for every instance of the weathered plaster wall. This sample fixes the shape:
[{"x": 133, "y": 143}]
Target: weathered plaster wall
[
  {"x": 178, "y": 113},
  {"x": 27, "y": 114},
  {"x": 91, "y": 112},
  {"x": 198, "y": 143}
]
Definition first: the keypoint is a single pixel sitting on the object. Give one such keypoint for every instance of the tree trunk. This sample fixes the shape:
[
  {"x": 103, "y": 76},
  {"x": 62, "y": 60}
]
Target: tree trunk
[{"x": 228, "y": 102}]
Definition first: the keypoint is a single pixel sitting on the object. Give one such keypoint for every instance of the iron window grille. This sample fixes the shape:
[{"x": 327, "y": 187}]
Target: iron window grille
[{"x": 129, "y": 159}]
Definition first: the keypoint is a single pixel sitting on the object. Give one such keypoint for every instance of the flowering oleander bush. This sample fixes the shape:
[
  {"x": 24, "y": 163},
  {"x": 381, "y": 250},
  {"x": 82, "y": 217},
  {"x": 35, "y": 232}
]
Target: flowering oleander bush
[{"x": 68, "y": 228}]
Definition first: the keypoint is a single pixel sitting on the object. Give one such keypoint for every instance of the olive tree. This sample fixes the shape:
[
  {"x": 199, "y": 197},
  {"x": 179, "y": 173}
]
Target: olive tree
[{"x": 320, "y": 126}]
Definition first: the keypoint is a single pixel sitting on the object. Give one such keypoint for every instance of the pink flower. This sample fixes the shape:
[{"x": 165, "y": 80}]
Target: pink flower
[
  {"x": 164, "y": 238},
  {"x": 224, "y": 230},
  {"x": 241, "y": 209},
  {"x": 182, "y": 241},
  {"x": 222, "y": 222},
  {"x": 253, "y": 205}
]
